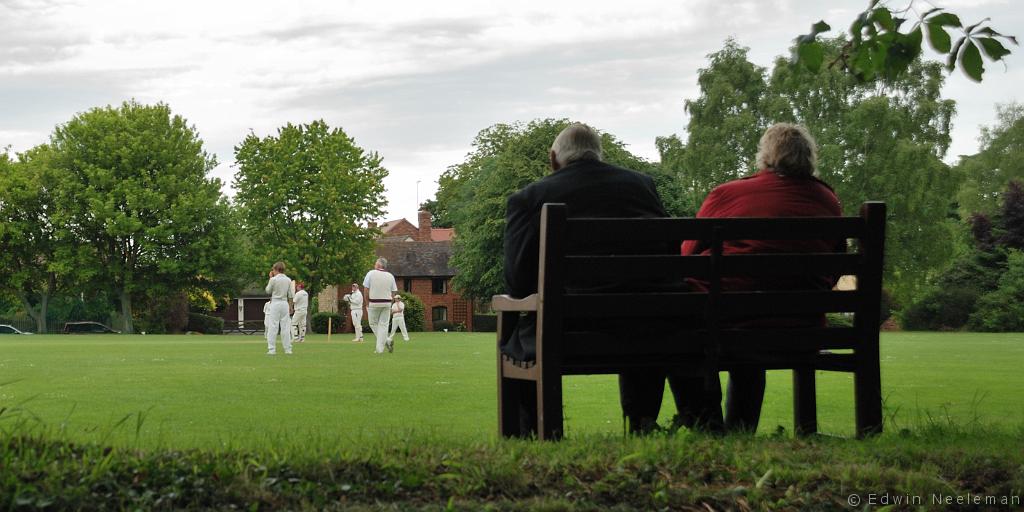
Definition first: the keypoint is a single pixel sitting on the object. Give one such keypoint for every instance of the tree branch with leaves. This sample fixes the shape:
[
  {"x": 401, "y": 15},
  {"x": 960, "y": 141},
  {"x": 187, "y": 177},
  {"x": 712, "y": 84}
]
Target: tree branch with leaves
[{"x": 883, "y": 41}]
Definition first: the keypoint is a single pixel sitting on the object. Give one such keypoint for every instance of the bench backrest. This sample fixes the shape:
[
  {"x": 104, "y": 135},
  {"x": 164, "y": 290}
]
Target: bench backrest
[{"x": 566, "y": 252}]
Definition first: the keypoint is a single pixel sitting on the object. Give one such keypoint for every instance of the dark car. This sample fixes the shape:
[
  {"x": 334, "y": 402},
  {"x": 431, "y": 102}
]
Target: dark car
[
  {"x": 87, "y": 328},
  {"x": 10, "y": 329}
]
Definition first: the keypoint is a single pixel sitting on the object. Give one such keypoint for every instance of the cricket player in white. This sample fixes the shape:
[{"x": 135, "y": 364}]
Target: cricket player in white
[
  {"x": 380, "y": 284},
  {"x": 301, "y": 306},
  {"x": 281, "y": 295},
  {"x": 355, "y": 307},
  {"x": 398, "y": 320}
]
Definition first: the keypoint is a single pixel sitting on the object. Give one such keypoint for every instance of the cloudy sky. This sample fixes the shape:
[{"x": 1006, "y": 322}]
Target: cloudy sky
[{"x": 413, "y": 80}]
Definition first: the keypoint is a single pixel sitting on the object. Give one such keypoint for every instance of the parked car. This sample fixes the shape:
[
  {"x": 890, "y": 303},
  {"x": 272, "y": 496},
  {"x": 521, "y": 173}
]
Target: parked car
[
  {"x": 87, "y": 328},
  {"x": 10, "y": 329}
]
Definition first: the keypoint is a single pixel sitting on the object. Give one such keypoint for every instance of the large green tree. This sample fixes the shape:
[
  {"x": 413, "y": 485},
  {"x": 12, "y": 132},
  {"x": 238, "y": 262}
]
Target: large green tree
[
  {"x": 137, "y": 193},
  {"x": 1000, "y": 160},
  {"x": 36, "y": 250},
  {"x": 307, "y": 195},
  {"x": 505, "y": 158}
]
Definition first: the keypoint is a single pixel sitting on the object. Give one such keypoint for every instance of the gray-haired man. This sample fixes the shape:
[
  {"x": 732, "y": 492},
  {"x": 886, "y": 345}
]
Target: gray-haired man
[
  {"x": 380, "y": 285},
  {"x": 590, "y": 188}
]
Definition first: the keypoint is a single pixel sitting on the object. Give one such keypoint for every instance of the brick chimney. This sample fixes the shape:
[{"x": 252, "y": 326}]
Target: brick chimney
[{"x": 424, "y": 231}]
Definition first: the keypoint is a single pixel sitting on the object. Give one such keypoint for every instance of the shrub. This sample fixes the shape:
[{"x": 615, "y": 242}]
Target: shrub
[
  {"x": 161, "y": 312},
  {"x": 319, "y": 322},
  {"x": 1003, "y": 309},
  {"x": 201, "y": 301},
  {"x": 941, "y": 309},
  {"x": 205, "y": 324},
  {"x": 415, "y": 318}
]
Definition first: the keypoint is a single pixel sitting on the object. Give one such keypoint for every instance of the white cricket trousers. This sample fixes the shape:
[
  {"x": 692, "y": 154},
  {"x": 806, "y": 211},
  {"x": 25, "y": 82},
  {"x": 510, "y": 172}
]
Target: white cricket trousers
[
  {"x": 278, "y": 320},
  {"x": 379, "y": 316},
  {"x": 299, "y": 323},
  {"x": 357, "y": 322},
  {"x": 398, "y": 322}
]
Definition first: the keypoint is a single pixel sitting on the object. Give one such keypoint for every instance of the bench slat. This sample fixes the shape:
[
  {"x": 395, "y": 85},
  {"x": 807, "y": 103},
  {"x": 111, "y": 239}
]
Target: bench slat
[
  {"x": 791, "y": 264},
  {"x": 671, "y": 305},
  {"x": 692, "y": 366},
  {"x": 584, "y": 345},
  {"x": 601, "y": 230},
  {"x": 622, "y": 267},
  {"x": 788, "y": 302},
  {"x": 634, "y": 305},
  {"x": 795, "y": 339}
]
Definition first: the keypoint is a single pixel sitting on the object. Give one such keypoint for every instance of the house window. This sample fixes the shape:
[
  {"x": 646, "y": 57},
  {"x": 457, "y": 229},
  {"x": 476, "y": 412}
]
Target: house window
[
  {"x": 440, "y": 313},
  {"x": 407, "y": 285},
  {"x": 440, "y": 286}
]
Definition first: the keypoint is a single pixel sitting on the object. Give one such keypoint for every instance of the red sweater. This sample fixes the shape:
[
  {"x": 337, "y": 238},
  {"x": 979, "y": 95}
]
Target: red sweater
[{"x": 768, "y": 194}]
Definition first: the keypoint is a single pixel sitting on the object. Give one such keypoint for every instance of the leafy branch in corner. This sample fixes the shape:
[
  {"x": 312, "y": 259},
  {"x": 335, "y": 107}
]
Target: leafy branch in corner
[{"x": 877, "y": 48}]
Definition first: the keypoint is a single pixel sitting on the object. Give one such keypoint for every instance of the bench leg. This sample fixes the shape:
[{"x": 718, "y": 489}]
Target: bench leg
[
  {"x": 867, "y": 386},
  {"x": 509, "y": 398},
  {"x": 549, "y": 407},
  {"x": 805, "y": 406}
]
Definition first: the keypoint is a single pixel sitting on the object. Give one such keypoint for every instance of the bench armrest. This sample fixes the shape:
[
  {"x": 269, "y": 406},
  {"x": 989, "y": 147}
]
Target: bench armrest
[{"x": 507, "y": 303}]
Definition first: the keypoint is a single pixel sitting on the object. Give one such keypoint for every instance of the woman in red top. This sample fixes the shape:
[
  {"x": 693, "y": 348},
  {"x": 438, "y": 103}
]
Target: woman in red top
[{"x": 786, "y": 186}]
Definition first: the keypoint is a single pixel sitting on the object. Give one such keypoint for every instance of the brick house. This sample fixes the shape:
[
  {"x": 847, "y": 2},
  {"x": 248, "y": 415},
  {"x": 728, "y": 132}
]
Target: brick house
[{"x": 419, "y": 259}]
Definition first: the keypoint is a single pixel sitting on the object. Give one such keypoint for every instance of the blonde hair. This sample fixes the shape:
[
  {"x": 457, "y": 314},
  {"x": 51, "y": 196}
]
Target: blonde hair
[
  {"x": 788, "y": 149},
  {"x": 279, "y": 266}
]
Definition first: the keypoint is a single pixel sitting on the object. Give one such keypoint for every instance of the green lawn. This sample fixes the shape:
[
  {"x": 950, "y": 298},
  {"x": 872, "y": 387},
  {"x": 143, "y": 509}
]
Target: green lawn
[{"x": 223, "y": 392}]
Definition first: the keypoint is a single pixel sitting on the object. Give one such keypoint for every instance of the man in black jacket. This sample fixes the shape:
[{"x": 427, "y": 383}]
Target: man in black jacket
[{"x": 589, "y": 188}]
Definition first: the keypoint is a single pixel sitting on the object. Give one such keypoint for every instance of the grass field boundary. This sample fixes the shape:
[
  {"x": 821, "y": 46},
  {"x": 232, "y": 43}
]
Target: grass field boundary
[{"x": 683, "y": 472}]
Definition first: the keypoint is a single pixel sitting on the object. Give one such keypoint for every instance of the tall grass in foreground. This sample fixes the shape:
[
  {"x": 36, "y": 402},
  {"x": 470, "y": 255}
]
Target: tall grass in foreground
[{"x": 593, "y": 472}]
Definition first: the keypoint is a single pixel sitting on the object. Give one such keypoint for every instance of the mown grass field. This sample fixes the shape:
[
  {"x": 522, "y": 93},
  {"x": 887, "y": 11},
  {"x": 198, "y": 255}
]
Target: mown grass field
[
  {"x": 212, "y": 423},
  {"x": 223, "y": 391}
]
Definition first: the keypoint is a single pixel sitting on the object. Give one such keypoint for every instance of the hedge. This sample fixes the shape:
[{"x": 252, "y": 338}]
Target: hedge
[
  {"x": 205, "y": 324},
  {"x": 319, "y": 322}
]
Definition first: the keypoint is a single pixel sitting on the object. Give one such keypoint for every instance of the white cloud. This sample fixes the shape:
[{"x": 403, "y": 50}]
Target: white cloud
[{"x": 414, "y": 81}]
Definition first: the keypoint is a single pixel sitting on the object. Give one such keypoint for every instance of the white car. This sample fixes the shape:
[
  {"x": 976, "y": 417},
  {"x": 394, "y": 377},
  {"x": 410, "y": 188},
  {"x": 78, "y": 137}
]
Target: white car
[{"x": 10, "y": 329}]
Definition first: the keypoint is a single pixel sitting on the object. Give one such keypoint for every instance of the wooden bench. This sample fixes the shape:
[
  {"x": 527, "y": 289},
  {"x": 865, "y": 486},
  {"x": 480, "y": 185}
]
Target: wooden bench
[{"x": 711, "y": 345}]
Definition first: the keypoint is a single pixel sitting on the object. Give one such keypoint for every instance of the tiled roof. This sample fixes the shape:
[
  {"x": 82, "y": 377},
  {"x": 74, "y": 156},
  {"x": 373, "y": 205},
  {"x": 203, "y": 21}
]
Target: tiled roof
[
  {"x": 416, "y": 259},
  {"x": 385, "y": 227},
  {"x": 400, "y": 226},
  {"x": 441, "y": 234}
]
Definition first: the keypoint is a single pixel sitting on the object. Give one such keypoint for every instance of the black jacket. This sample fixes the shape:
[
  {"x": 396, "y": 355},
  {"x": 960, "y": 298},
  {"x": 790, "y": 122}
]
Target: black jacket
[{"x": 589, "y": 188}]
